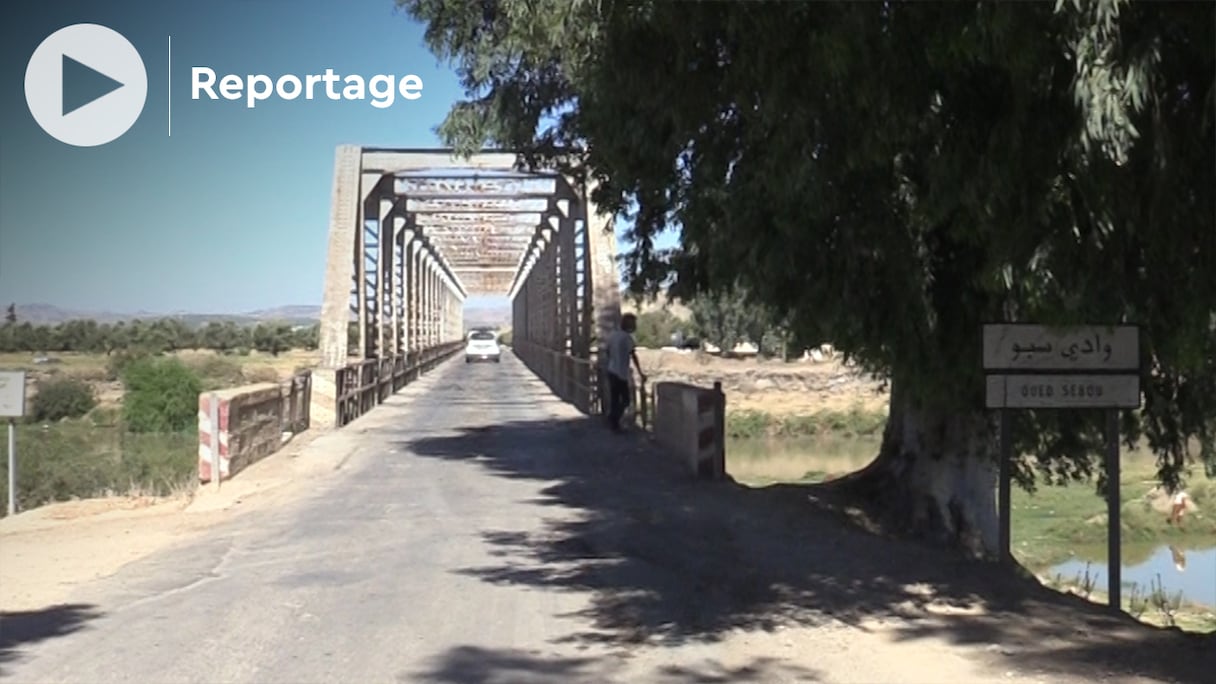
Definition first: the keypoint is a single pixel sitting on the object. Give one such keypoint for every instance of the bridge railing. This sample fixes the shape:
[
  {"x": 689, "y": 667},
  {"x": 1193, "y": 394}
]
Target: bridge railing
[
  {"x": 579, "y": 382},
  {"x": 238, "y": 426},
  {"x": 572, "y": 379},
  {"x": 362, "y": 385}
]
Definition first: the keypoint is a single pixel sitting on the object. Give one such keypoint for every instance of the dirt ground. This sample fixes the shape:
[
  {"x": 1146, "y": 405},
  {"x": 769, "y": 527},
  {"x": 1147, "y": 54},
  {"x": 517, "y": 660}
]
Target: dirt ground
[
  {"x": 47, "y": 552},
  {"x": 771, "y": 386}
]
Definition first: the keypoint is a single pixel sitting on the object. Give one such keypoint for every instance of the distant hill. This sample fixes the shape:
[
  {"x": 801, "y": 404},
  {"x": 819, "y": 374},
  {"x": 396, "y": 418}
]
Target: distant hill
[
  {"x": 482, "y": 314},
  {"x": 49, "y": 314}
]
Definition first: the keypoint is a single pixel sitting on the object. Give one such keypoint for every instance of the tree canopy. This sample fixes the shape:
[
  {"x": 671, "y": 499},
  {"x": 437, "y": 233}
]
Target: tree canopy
[{"x": 889, "y": 176}]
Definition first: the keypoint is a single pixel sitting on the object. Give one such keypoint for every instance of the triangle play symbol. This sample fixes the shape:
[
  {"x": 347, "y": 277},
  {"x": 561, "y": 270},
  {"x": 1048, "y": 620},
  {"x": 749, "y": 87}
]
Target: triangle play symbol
[{"x": 83, "y": 84}]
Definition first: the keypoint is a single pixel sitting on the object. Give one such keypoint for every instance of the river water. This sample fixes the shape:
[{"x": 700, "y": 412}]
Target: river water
[
  {"x": 1191, "y": 571},
  {"x": 760, "y": 461},
  {"x": 812, "y": 459}
]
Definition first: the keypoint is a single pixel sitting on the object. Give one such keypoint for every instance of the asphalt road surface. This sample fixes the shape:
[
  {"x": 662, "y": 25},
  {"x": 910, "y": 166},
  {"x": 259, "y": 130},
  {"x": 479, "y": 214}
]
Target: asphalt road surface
[{"x": 480, "y": 531}]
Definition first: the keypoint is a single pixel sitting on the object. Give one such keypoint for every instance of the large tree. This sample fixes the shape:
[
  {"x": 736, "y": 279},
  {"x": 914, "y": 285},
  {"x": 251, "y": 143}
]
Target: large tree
[{"x": 889, "y": 176}]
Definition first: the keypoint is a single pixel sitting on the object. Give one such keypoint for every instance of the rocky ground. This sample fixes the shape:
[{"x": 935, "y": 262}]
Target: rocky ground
[{"x": 772, "y": 386}]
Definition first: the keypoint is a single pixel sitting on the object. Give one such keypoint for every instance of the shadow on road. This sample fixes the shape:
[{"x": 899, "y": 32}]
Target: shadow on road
[
  {"x": 20, "y": 629},
  {"x": 666, "y": 558},
  {"x": 474, "y": 665}
]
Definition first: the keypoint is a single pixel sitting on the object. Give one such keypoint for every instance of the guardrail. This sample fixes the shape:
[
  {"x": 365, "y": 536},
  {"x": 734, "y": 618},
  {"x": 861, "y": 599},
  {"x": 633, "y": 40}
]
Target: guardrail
[
  {"x": 691, "y": 422},
  {"x": 572, "y": 379},
  {"x": 577, "y": 380},
  {"x": 362, "y": 385}
]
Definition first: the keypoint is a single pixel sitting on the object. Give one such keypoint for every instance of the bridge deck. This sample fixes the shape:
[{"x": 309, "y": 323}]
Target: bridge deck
[{"x": 482, "y": 531}]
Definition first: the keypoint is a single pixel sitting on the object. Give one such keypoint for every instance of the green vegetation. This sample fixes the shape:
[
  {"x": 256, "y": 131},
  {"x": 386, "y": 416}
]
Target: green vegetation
[
  {"x": 1019, "y": 155},
  {"x": 147, "y": 445},
  {"x": 153, "y": 337},
  {"x": 1054, "y": 522},
  {"x": 655, "y": 328},
  {"x": 81, "y": 459},
  {"x": 760, "y": 425},
  {"x": 724, "y": 319},
  {"x": 59, "y": 398},
  {"x": 161, "y": 396}
]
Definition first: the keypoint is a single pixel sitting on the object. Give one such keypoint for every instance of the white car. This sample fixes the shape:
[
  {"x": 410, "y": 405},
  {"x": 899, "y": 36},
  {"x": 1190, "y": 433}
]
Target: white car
[{"x": 482, "y": 346}]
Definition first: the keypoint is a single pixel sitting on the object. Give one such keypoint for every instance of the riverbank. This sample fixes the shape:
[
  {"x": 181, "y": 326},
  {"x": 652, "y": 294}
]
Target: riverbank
[{"x": 1051, "y": 525}]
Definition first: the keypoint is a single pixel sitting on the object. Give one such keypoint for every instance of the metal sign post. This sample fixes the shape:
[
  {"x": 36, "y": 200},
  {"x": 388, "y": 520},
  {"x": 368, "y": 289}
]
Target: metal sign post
[
  {"x": 12, "y": 406},
  {"x": 1042, "y": 367}
]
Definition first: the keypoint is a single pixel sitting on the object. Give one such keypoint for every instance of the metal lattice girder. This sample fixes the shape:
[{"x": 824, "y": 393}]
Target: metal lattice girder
[
  {"x": 477, "y": 227},
  {"x": 528, "y": 205},
  {"x": 499, "y": 256},
  {"x": 488, "y": 221},
  {"x": 479, "y": 233},
  {"x": 483, "y": 258},
  {"x": 518, "y": 242},
  {"x": 476, "y": 186}
]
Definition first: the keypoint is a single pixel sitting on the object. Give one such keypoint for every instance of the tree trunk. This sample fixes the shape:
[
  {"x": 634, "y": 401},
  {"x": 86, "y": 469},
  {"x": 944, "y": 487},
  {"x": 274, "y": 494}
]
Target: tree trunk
[{"x": 936, "y": 474}]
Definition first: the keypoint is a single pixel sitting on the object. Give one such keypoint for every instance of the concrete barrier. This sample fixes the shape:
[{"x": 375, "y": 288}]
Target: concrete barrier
[
  {"x": 252, "y": 423},
  {"x": 690, "y": 421}
]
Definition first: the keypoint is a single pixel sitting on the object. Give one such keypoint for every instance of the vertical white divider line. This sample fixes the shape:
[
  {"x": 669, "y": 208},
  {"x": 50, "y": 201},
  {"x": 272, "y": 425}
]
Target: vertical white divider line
[{"x": 170, "y": 94}]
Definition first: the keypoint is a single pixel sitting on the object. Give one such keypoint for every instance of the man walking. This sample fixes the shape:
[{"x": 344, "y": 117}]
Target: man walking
[{"x": 621, "y": 349}]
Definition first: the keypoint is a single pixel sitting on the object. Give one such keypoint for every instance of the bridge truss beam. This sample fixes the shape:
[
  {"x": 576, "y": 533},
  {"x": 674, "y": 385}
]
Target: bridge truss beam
[{"x": 427, "y": 229}]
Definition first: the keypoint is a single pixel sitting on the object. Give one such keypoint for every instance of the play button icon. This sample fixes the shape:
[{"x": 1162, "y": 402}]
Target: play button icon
[
  {"x": 82, "y": 85},
  {"x": 85, "y": 85}
]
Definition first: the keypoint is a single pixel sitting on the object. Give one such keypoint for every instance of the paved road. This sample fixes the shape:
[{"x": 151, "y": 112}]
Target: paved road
[{"x": 480, "y": 531}]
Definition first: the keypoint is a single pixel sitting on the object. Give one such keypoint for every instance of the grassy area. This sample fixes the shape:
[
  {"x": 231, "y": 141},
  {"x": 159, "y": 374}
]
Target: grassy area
[
  {"x": 1056, "y": 522},
  {"x": 854, "y": 423},
  {"x": 215, "y": 369},
  {"x": 93, "y": 456}
]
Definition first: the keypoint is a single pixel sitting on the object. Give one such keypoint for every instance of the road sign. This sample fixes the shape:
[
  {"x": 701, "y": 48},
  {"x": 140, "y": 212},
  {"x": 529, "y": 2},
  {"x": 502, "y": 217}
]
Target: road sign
[
  {"x": 1063, "y": 391},
  {"x": 12, "y": 394},
  {"x": 1020, "y": 347},
  {"x": 1037, "y": 367}
]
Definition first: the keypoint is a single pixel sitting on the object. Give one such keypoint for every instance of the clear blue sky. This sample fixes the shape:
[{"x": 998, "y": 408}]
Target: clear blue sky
[{"x": 229, "y": 213}]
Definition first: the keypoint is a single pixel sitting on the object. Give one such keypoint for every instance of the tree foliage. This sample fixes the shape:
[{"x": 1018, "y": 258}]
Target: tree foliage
[
  {"x": 726, "y": 317},
  {"x": 155, "y": 337},
  {"x": 655, "y": 328},
  {"x": 890, "y": 176}
]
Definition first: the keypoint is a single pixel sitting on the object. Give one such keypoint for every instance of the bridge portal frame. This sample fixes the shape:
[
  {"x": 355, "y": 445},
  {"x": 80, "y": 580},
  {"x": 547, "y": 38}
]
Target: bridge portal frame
[{"x": 405, "y": 295}]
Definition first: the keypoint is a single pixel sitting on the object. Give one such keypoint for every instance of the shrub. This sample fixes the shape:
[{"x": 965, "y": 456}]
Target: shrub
[
  {"x": 256, "y": 374},
  {"x": 656, "y": 327},
  {"x": 121, "y": 359},
  {"x": 161, "y": 396},
  {"x": 61, "y": 398},
  {"x": 217, "y": 372},
  {"x": 105, "y": 416}
]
